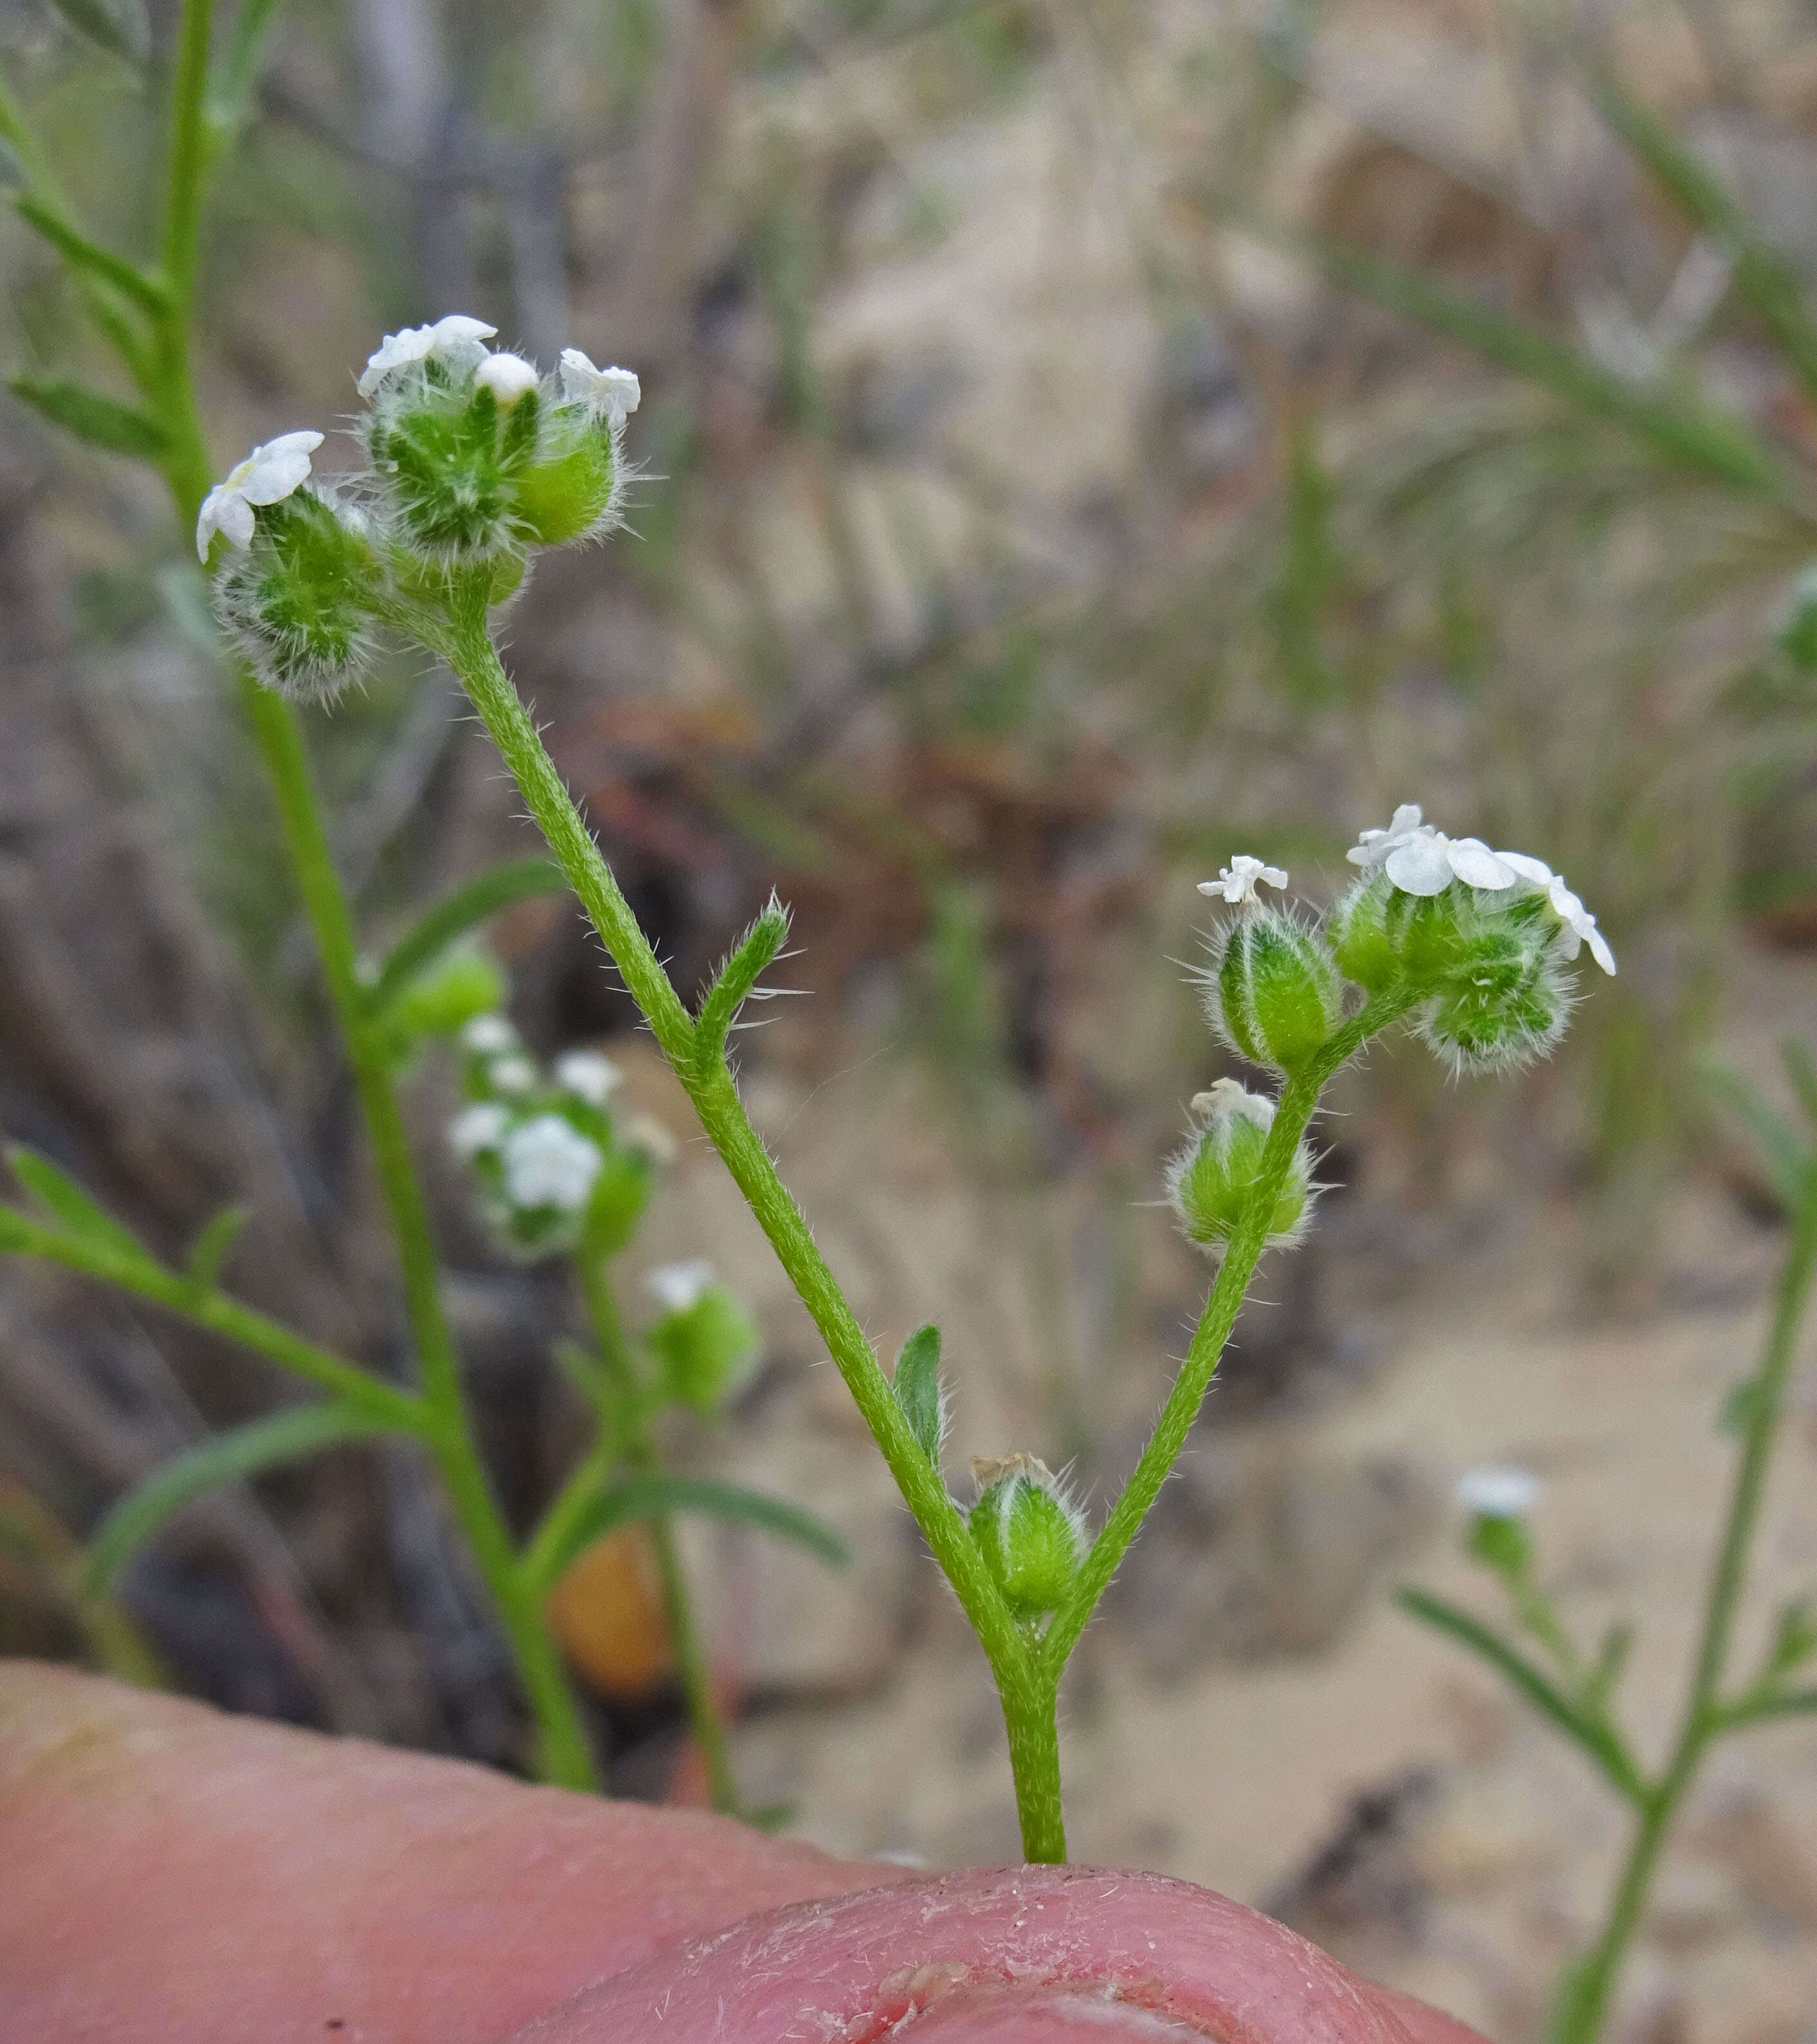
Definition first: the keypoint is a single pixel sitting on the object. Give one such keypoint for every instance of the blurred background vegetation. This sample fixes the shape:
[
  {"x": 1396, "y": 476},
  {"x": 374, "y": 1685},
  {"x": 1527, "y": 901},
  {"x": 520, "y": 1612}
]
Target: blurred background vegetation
[{"x": 1080, "y": 439}]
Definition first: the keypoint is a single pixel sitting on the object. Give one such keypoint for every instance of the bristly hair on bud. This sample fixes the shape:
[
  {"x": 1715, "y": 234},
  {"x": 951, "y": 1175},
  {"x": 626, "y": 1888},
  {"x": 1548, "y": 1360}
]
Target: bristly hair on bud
[
  {"x": 298, "y": 603},
  {"x": 1029, "y": 1530},
  {"x": 1273, "y": 993},
  {"x": 1506, "y": 1003},
  {"x": 1211, "y": 1181}
]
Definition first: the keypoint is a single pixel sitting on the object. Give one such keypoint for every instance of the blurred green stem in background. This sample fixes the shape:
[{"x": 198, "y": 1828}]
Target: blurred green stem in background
[{"x": 202, "y": 121}]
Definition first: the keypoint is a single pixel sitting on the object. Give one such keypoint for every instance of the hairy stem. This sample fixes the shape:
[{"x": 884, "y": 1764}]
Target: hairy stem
[
  {"x": 469, "y": 651},
  {"x": 1584, "y": 1998}
]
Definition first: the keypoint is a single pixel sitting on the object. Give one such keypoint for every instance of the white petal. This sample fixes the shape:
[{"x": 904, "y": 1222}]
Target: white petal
[
  {"x": 233, "y": 516},
  {"x": 1275, "y": 876},
  {"x": 1535, "y": 871},
  {"x": 588, "y": 1076},
  {"x": 508, "y": 377},
  {"x": 1498, "y": 1492},
  {"x": 1421, "y": 864},
  {"x": 1599, "y": 949},
  {"x": 488, "y": 1033},
  {"x": 1478, "y": 866},
  {"x": 453, "y": 328},
  {"x": 304, "y": 442},
  {"x": 207, "y": 521},
  {"x": 1406, "y": 819},
  {"x": 276, "y": 476}
]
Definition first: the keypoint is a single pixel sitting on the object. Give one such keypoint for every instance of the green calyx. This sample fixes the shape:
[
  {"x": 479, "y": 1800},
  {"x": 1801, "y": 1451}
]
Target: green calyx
[
  {"x": 1210, "y": 1182},
  {"x": 1029, "y": 1533},
  {"x": 704, "y": 1348},
  {"x": 300, "y": 602},
  {"x": 1278, "y": 996},
  {"x": 470, "y": 477}
]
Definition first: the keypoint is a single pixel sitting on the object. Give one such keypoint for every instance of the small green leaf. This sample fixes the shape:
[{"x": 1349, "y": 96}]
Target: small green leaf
[
  {"x": 917, "y": 1385},
  {"x": 210, "y": 1247},
  {"x": 103, "y": 421},
  {"x": 1785, "y": 1160},
  {"x": 149, "y": 293},
  {"x": 15, "y": 1231},
  {"x": 457, "y": 913},
  {"x": 117, "y": 26},
  {"x": 62, "y": 1196},
  {"x": 281, "y": 1437},
  {"x": 1611, "y": 1661},
  {"x": 1598, "y": 1739},
  {"x": 656, "y": 1496},
  {"x": 237, "y": 74},
  {"x": 743, "y": 967}
]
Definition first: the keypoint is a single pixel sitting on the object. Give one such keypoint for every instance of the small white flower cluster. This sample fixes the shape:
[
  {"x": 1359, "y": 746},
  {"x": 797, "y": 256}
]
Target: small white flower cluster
[
  {"x": 678, "y": 1287},
  {"x": 539, "y": 1144},
  {"x": 1421, "y": 859},
  {"x": 442, "y": 364}
]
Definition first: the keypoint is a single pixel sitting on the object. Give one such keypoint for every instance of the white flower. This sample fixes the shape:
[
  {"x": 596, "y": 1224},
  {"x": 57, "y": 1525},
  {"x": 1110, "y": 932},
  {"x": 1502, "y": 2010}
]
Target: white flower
[
  {"x": 508, "y": 377},
  {"x": 676, "y": 1287},
  {"x": 1578, "y": 925},
  {"x": 1225, "y": 1097},
  {"x": 1237, "y": 881},
  {"x": 269, "y": 474},
  {"x": 588, "y": 1076},
  {"x": 549, "y": 1163},
  {"x": 615, "y": 392},
  {"x": 455, "y": 338},
  {"x": 1497, "y": 1492},
  {"x": 1420, "y": 859},
  {"x": 477, "y": 1127},
  {"x": 487, "y": 1035},
  {"x": 511, "y": 1074}
]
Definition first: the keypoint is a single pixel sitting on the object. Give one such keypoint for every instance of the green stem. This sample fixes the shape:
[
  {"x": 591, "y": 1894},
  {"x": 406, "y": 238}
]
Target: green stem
[
  {"x": 1584, "y": 1998},
  {"x": 469, "y": 651},
  {"x": 639, "y": 1451},
  {"x": 1031, "y": 1719},
  {"x": 220, "y": 1315},
  {"x": 1293, "y": 1110},
  {"x": 564, "y": 1752}
]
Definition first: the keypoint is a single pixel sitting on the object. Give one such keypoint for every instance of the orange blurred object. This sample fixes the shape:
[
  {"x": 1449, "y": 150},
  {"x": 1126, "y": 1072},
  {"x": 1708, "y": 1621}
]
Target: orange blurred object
[{"x": 607, "y": 1612}]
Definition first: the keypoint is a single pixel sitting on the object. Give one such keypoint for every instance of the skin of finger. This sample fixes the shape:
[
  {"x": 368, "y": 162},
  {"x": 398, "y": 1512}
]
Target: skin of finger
[
  {"x": 1021, "y": 1955},
  {"x": 202, "y": 1878}
]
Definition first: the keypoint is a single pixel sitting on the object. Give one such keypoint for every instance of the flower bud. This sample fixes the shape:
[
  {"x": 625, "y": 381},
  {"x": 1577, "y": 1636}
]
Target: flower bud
[
  {"x": 297, "y": 601},
  {"x": 1210, "y": 1181},
  {"x": 704, "y": 1341},
  {"x": 1279, "y": 997},
  {"x": 1497, "y": 1502},
  {"x": 1029, "y": 1531},
  {"x": 448, "y": 456},
  {"x": 1505, "y": 1003}
]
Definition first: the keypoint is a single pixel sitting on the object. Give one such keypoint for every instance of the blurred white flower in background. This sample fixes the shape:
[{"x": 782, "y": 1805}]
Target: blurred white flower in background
[
  {"x": 676, "y": 1287},
  {"x": 549, "y": 1163}
]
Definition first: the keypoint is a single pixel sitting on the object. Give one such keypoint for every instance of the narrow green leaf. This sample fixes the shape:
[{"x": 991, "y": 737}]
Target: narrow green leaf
[
  {"x": 60, "y": 1193},
  {"x": 1786, "y": 1163},
  {"x": 1776, "y": 1704},
  {"x": 119, "y": 27},
  {"x": 1795, "y": 1057},
  {"x": 103, "y": 421},
  {"x": 13, "y": 170},
  {"x": 89, "y": 257},
  {"x": 752, "y": 953},
  {"x": 210, "y": 1249},
  {"x": 457, "y": 913},
  {"x": 1610, "y": 1661},
  {"x": 1597, "y": 1739},
  {"x": 917, "y": 1385},
  {"x": 281, "y": 1437},
  {"x": 236, "y": 75},
  {"x": 656, "y": 1496},
  {"x": 1740, "y": 1402},
  {"x": 1762, "y": 275},
  {"x": 1694, "y": 434}
]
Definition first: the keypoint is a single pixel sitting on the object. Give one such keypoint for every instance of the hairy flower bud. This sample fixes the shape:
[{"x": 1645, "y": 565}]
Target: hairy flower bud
[
  {"x": 297, "y": 600},
  {"x": 1210, "y": 1181},
  {"x": 1029, "y": 1531},
  {"x": 1504, "y": 1003},
  {"x": 1276, "y": 996}
]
